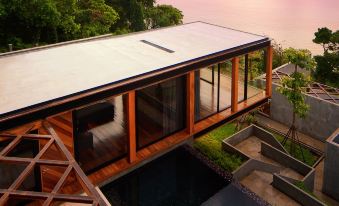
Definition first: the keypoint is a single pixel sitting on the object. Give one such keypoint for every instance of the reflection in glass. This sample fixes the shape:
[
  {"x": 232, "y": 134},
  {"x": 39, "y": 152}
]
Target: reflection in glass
[
  {"x": 160, "y": 110},
  {"x": 101, "y": 134},
  {"x": 206, "y": 92}
]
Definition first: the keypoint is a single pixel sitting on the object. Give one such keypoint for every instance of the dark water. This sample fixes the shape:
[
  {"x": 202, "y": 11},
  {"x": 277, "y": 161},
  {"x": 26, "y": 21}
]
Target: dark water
[
  {"x": 175, "y": 179},
  {"x": 289, "y": 22}
]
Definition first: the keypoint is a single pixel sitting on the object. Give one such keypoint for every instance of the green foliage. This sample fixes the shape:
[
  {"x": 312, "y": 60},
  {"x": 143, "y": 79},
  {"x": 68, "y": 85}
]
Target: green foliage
[
  {"x": 302, "y": 186},
  {"x": 95, "y": 17},
  {"x": 68, "y": 27},
  {"x": 210, "y": 145},
  {"x": 292, "y": 87},
  {"x": 300, "y": 57},
  {"x": 32, "y": 15},
  {"x": 163, "y": 15},
  {"x": 2, "y": 10},
  {"x": 279, "y": 57},
  {"x": 250, "y": 118},
  {"x": 26, "y": 23},
  {"x": 327, "y": 39},
  {"x": 327, "y": 69},
  {"x": 323, "y": 37},
  {"x": 137, "y": 16},
  {"x": 257, "y": 64},
  {"x": 310, "y": 158}
]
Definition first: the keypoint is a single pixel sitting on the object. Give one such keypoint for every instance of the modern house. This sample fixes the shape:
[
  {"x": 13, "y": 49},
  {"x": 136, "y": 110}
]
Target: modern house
[{"x": 116, "y": 102}]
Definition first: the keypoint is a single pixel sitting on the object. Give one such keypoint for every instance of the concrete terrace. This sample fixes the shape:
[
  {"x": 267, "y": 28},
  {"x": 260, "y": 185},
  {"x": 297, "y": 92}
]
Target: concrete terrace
[{"x": 319, "y": 169}]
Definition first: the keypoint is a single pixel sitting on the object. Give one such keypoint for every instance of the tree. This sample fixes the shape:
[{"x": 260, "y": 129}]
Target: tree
[
  {"x": 163, "y": 15},
  {"x": 26, "y": 23},
  {"x": 95, "y": 17},
  {"x": 292, "y": 88},
  {"x": 279, "y": 58},
  {"x": 256, "y": 64},
  {"x": 323, "y": 37},
  {"x": 132, "y": 14},
  {"x": 68, "y": 27},
  {"x": 136, "y": 15},
  {"x": 25, "y": 20},
  {"x": 327, "y": 69},
  {"x": 2, "y": 9}
]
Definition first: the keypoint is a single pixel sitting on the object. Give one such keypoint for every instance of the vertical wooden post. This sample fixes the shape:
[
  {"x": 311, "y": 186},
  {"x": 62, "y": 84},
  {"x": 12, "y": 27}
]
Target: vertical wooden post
[
  {"x": 131, "y": 121},
  {"x": 269, "y": 62},
  {"x": 190, "y": 102},
  {"x": 235, "y": 78}
]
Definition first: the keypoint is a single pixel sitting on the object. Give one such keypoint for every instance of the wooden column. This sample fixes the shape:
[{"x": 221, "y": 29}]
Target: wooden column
[
  {"x": 235, "y": 90},
  {"x": 269, "y": 60},
  {"x": 132, "y": 149},
  {"x": 190, "y": 103}
]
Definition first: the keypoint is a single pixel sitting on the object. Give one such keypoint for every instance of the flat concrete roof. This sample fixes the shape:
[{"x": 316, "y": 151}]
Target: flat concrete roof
[{"x": 36, "y": 76}]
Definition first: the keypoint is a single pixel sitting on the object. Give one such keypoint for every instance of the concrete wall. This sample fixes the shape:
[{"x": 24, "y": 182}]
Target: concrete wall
[
  {"x": 331, "y": 169},
  {"x": 288, "y": 161},
  {"x": 254, "y": 130},
  {"x": 322, "y": 119},
  {"x": 294, "y": 192},
  {"x": 251, "y": 165},
  {"x": 284, "y": 159},
  {"x": 240, "y": 136},
  {"x": 268, "y": 138}
]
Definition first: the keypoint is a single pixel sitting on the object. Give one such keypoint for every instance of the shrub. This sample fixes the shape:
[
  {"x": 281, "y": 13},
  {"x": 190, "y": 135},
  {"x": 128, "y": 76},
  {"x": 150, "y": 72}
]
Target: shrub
[{"x": 211, "y": 146}]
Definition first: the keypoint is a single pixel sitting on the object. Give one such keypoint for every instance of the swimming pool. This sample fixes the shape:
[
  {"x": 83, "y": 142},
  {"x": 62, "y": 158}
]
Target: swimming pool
[{"x": 177, "y": 178}]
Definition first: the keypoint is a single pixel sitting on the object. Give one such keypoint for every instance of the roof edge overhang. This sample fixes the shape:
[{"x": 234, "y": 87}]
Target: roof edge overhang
[{"x": 69, "y": 102}]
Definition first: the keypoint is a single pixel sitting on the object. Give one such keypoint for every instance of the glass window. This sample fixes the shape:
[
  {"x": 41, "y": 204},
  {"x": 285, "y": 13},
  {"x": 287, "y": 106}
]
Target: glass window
[
  {"x": 225, "y": 85},
  {"x": 101, "y": 133},
  {"x": 206, "y": 92},
  {"x": 160, "y": 110},
  {"x": 256, "y": 72}
]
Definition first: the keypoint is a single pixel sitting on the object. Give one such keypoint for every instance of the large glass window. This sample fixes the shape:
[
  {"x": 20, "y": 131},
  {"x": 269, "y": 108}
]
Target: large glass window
[
  {"x": 212, "y": 89},
  {"x": 100, "y": 133},
  {"x": 206, "y": 92},
  {"x": 225, "y": 85},
  {"x": 213, "y": 85},
  {"x": 160, "y": 110},
  {"x": 256, "y": 71}
]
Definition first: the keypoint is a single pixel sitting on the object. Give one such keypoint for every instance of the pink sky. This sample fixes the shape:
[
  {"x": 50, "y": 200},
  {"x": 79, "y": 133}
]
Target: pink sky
[{"x": 290, "y": 22}]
